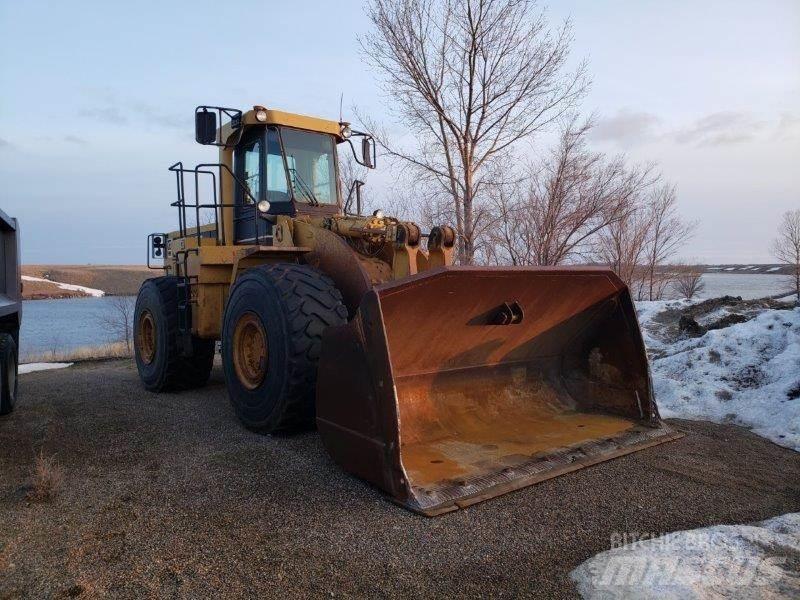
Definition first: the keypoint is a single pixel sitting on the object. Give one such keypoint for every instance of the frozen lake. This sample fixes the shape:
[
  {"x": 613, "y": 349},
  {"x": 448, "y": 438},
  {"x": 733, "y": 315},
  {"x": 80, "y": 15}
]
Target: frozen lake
[{"x": 744, "y": 285}]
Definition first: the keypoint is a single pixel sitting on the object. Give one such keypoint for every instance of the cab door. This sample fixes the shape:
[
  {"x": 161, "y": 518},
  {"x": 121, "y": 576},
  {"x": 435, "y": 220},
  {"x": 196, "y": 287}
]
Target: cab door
[
  {"x": 248, "y": 164},
  {"x": 259, "y": 165}
]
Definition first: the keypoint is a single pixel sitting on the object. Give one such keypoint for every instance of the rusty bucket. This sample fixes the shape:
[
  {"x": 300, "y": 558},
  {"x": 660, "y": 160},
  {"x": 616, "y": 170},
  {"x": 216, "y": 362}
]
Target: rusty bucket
[{"x": 460, "y": 384}]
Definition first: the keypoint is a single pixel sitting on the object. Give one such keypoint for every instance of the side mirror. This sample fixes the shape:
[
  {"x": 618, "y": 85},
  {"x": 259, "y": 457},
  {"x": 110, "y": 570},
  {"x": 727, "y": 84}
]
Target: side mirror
[
  {"x": 205, "y": 127},
  {"x": 367, "y": 152}
]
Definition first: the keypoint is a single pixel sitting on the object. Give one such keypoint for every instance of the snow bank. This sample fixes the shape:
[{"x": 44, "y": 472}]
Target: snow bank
[
  {"x": 31, "y": 367},
  {"x": 747, "y": 374},
  {"x": 724, "y": 561},
  {"x": 647, "y": 310},
  {"x": 68, "y": 286}
]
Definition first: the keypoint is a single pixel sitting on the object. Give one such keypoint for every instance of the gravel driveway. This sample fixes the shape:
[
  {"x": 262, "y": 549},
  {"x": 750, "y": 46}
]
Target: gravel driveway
[{"x": 168, "y": 495}]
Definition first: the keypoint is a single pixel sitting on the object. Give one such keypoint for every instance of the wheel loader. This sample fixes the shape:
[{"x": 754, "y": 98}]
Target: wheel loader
[{"x": 442, "y": 385}]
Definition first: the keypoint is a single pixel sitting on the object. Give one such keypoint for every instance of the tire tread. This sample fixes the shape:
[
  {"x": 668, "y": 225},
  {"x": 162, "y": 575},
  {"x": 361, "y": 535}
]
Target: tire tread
[
  {"x": 181, "y": 372},
  {"x": 312, "y": 304},
  {"x": 7, "y": 344}
]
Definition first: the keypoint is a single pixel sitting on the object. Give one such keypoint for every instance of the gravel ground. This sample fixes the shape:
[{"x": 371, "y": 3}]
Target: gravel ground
[{"x": 168, "y": 495}]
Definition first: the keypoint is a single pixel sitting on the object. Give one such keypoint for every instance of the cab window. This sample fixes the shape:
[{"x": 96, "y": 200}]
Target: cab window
[
  {"x": 277, "y": 187},
  {"x": 311, "y": 165},
  {"x": 252, "y": 168}
]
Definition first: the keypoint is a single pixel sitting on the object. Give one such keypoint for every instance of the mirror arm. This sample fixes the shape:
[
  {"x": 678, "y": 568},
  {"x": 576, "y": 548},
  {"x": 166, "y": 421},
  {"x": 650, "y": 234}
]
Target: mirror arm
[{"x": 372, "y": 161}]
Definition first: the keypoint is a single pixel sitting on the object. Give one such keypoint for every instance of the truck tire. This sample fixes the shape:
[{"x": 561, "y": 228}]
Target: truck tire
[
  {"x": 161, "y": 366},
  {"x": 8, "y": 373},
  {"x": 271, "y": 341}
]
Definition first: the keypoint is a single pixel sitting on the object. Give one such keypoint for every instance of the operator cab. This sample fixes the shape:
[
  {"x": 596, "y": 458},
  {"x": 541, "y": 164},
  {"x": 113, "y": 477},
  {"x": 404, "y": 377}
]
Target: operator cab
[
  {"x": 293, "y": 170},
  {"x": 283, "y": 164}
]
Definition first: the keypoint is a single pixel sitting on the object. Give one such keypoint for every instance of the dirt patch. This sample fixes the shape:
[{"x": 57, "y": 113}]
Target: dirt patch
[
  {"x": 697, "y": 319},
  {"x": 168, "y": 495},
  {"x": 114, "y": 280}
]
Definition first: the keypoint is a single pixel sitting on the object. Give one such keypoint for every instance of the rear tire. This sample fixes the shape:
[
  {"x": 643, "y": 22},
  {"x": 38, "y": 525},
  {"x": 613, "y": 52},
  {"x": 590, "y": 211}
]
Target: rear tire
[
  {"x": 271, "y": 341},
  {"x": 161, "y": 367},
  {"x": 9, "y": 371}
]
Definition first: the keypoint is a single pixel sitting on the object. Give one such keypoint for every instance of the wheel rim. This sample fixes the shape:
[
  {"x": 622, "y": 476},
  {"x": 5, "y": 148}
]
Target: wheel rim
[
  {"x": 146, "y": 337},
  {"x": 250, "y": 350}
]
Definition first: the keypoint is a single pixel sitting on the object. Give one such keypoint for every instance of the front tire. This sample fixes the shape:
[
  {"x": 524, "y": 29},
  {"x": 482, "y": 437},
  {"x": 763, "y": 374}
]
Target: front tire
[
  {"x": 271, "y": 341},
  {"x": 161, "y": 366},
  {"x": 8, "y": 373}
]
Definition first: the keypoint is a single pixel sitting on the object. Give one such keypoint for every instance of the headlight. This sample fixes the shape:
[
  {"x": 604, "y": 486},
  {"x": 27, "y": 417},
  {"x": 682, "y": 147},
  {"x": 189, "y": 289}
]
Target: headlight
[
  {"x": 263, "y": 206},
  {"x": 261, "y": 113},
  {"x": 345, "y": 130}
]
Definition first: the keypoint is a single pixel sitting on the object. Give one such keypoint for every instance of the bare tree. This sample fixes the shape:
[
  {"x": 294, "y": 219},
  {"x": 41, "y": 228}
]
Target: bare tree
[
  {"x": 571, "y": 196},
  {"x": 471, "y": 79},
  {"x": 667, "y": 233},
  {"x": 623, "y": 247},
  {"x": 786, "y": 247},
  {"x": 688, "y": 281},
  {"x": 119, "y": 320},
  {"x": 639, "y": 246}
]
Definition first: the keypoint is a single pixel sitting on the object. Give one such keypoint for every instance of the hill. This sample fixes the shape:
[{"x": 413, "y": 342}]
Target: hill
[{"x": 113, "y": 280}]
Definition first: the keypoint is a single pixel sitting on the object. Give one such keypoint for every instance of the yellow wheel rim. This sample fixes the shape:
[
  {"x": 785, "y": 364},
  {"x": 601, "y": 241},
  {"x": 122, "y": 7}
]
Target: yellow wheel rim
[
  {"x": 146, "y": 337},
  {"x": 250, "y": 350}
]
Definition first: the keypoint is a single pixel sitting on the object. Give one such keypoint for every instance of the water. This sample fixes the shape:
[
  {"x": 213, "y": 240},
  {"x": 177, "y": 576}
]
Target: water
[
  {"x": 744, "y": 285},
  {"x": 66, "y": 324}
]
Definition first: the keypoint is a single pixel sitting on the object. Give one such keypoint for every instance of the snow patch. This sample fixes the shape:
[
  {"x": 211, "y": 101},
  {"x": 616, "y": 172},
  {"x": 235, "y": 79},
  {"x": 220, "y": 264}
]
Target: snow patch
[
  {"x": 771, "y": 269},
  {"x": 723, "y": 561},
  {"x": 647, "y": 310},
  {"x": 68, "y": 286},
  {"x": 747, "y": 374},
  {"x": 33, "y": 367}
]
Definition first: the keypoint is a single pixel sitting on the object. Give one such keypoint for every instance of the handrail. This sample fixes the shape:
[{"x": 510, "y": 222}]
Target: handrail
[{"x": 217, "y": 204}]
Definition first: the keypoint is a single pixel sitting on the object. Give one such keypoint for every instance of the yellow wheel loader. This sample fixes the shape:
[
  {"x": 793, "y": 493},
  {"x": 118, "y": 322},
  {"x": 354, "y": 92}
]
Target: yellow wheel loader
[{"x": 441, "y": 385}]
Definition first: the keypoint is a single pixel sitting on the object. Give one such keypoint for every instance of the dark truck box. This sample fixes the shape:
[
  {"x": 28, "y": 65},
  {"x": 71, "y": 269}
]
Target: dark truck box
[{"x": 10, "y": 310}]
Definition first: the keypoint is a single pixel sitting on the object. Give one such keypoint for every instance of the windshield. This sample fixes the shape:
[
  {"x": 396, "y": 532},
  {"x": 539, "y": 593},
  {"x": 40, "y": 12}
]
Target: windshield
[{"x": 312, "y": 170}]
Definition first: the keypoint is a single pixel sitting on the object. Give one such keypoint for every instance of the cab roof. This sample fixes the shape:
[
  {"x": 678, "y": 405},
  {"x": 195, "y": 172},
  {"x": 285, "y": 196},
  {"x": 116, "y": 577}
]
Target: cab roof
[{"x": 286, "y": 119}]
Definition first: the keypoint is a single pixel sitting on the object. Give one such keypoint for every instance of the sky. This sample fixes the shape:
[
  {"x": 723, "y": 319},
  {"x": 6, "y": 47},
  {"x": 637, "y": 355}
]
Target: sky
[{"x": 97, "y": 101}]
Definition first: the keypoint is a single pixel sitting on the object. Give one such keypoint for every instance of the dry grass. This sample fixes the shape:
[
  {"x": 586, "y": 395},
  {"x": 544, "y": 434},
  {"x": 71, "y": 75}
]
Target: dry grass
[
  {"x": 46, "y": 480},
  {"x": 113, "y": 350}
]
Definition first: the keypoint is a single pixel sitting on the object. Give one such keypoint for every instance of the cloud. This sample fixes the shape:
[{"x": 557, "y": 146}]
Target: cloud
[
  {"x": 5, "y": 143},
  {"x": 630, "y": 127},
  {"x": 626, "y": 127},
  {"x": 124, "y": 111},
  {"x": 721, "y": 129},
  {"x": 106, "y": 114},
  {"x": 158, "y": 117},
  {"x": 74, "y": 139},
  {"x": 788, "y": 127}
]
